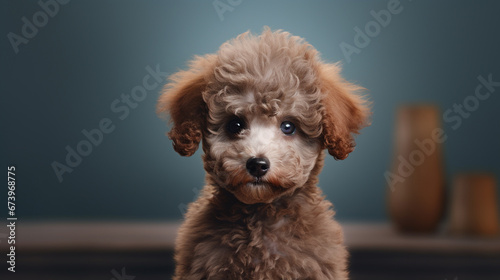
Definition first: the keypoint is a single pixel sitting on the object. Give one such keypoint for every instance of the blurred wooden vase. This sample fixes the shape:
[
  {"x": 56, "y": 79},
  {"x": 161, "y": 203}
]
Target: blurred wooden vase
[
  {"x": 416, "y": 180},
  {"x": 474, "y": 209}
]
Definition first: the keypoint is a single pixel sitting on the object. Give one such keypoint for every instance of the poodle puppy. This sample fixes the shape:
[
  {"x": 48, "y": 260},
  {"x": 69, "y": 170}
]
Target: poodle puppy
[{"x": 265, "y": 108}]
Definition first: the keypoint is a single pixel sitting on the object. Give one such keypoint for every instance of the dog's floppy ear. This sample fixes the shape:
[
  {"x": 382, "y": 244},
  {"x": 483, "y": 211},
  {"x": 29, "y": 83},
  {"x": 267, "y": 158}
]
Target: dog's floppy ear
[
  {"x": 182, "y": 100},
  {"x": 345, "y": 112}
]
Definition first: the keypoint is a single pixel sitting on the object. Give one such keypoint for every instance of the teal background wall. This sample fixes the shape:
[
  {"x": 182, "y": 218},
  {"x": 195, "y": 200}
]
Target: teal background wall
[{"x": 72, "y": 73}]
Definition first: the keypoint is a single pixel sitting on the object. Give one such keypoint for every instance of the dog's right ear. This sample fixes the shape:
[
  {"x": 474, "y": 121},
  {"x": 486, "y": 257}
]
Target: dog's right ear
[{"x": 182, "y": 99}]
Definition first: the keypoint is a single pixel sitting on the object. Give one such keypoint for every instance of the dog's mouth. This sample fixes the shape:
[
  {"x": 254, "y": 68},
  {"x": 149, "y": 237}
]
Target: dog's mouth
[
  {"x": 261, "y": 184},
  {"x": 250, "y": 181},
  {"x": 257, "y": 191},
  {"x": 241, "y": 178},
  {"x": 251, "y": 190},
  {"x": 257, "y": 181}
]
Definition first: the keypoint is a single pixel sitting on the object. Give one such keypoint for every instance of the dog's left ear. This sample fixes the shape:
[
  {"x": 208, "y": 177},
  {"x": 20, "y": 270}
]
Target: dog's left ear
[
  {"x": 345, "y": 112},
  {"x": 182, "y": 99}
]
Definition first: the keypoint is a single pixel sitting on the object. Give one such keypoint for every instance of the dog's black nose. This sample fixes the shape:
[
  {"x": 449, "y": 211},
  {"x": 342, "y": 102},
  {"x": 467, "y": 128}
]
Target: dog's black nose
[{"x": 258, "y": 167}]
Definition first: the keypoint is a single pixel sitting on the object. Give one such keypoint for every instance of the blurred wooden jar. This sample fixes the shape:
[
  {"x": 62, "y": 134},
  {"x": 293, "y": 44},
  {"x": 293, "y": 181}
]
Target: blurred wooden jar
[
  {"x": 416, "y": 180},
  {"x": 474, "y": 209}
]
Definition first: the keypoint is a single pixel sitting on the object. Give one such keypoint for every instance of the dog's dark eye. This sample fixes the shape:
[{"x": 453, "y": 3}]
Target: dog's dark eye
[
  {"x": 288, "y": 128},
  {"x": 235, "y": 126}
]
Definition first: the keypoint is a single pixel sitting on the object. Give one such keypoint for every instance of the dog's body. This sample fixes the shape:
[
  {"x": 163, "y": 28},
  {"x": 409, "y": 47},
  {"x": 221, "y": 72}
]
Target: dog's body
[{"x": 265, "y": 108}]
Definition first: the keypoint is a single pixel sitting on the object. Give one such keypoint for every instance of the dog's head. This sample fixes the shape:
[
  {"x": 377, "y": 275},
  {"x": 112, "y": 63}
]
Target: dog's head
[{"x": 265, "y": 107}]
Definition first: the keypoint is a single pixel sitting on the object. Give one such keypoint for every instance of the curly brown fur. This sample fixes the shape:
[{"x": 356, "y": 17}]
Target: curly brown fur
[{"x": 275, "y": 224}]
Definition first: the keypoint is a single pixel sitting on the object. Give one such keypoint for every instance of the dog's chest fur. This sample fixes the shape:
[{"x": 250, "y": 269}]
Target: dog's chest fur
[{"x": 293, "y": 240}]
